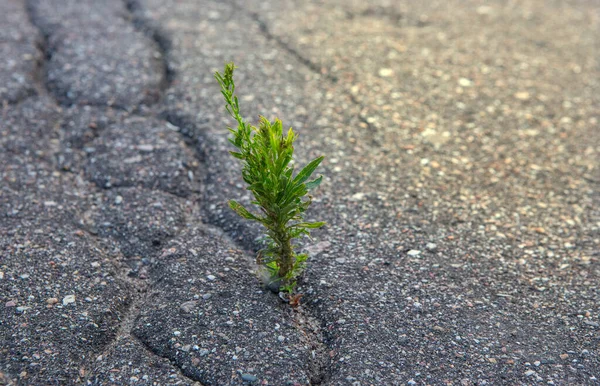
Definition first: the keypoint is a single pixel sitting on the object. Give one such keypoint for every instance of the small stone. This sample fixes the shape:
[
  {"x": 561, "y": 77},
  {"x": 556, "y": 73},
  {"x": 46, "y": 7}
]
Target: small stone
[
  {"x": 214, "y": 15},
  {"x": 529, "y": 373},
  {"x": 22, "y": 308},
  {"x": 564, "y": 356},
  {"x": 118, "y": 200},
  {"x": 357, "y": 196},
  {"x": 537, "y": 363},
  {"x": 52, "y": 301},
  {"x": 386, "y": 72},
  {"x": 281, "y": 338},
  {"x": 176, "y": 333},
  {"x": 318, "y": 248},
  {"x": 522, "y": 95},
  {"x": 340, "y": 260},
  {"x": 1, "y": 275},
  {"x": 10, "y": 304},
  {"x": 188, "y": 306},
  {"x": 211, "y": 277},
  {"x": 145, "y": 148},
  {"x": 484, "y": 10},
  {"x": 431, "y": 246},
  {"x": 413, "y": 252},
  {"x": 68, "y": 300},
  {"x": 206, "y": 296},
  {"x": 492, "y": 360},
  {"x": 204, "y": 352},
  {"x": 249, "y": 378},
  {"x": 464, "y": 82}
]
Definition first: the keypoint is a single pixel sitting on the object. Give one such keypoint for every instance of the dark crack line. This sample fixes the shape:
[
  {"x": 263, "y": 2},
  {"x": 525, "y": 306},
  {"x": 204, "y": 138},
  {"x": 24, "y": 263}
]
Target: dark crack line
[
  {"x": 139, "y": 288},
  {"x": 372, "y": 130},
  {"x": 318, "y": 362},
  {"x": 154, "y": 33},
  {"x": 318, "y": 367},
  {"x": 43, "y": 46},
  {"x": 311, "y": 65},
  {"x": 127, "y": 325},
  {"x": 183, "y": 372},
  {"x": 264, "y": 29}
]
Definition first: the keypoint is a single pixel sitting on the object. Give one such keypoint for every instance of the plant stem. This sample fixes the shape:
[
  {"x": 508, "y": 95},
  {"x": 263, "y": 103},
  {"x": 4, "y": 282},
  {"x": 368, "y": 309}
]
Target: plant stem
[{"x": 286, "y": 257}]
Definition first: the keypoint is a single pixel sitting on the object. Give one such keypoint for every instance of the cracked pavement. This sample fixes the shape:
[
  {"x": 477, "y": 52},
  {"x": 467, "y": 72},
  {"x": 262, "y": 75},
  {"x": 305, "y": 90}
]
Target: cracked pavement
[{"x": 461, "y": 192}]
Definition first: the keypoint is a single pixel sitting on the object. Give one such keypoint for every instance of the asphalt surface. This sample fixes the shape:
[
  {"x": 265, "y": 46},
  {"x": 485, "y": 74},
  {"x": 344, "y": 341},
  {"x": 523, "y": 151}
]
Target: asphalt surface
[{"x": 461, "y": 192}]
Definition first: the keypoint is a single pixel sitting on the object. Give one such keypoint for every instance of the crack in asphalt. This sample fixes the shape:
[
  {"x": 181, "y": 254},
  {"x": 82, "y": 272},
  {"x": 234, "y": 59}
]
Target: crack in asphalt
[
  {"x": 139, "y": 289},
  {"x": 313, "y": 66},
  {"x": 309, "y": 326},
  {"x": 42, "y": 45},
  {"x": 156, "y": 34}
]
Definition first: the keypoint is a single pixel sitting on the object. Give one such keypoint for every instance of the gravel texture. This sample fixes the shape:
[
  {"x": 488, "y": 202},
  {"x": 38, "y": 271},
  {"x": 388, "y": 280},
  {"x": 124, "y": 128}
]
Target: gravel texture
[
  {"x": 61, "y": 300},
  {"x": 461, "y": 193},
  {"x": 142, "y": 152},
  {"x": 138, "y": 220}
]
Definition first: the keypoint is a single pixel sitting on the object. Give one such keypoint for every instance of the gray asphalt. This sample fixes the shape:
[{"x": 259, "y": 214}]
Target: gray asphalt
[{"x": 461, "y": 192}]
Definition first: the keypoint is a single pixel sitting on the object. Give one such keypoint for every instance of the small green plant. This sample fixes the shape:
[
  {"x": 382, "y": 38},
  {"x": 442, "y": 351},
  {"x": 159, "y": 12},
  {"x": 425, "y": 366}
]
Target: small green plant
[{"x": 282, "y": 197}]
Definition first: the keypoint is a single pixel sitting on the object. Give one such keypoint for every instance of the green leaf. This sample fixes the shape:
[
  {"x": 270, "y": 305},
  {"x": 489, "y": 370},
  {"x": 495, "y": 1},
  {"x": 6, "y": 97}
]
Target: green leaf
[
  {"x": 241, "y": 211},
  {"x": 314, "y": 183},
  {"x": 306, "y": 172},
  {"x": 237, "y": 155},
  {"x": 297, "y": 232},
  {"x": 301, "y": 258},
  {"x": 310, "y": 225}
]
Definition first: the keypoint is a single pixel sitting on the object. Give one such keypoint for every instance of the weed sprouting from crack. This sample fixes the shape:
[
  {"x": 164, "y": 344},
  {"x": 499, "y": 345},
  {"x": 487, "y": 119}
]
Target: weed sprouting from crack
[{"x": 282, "y": 197}]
